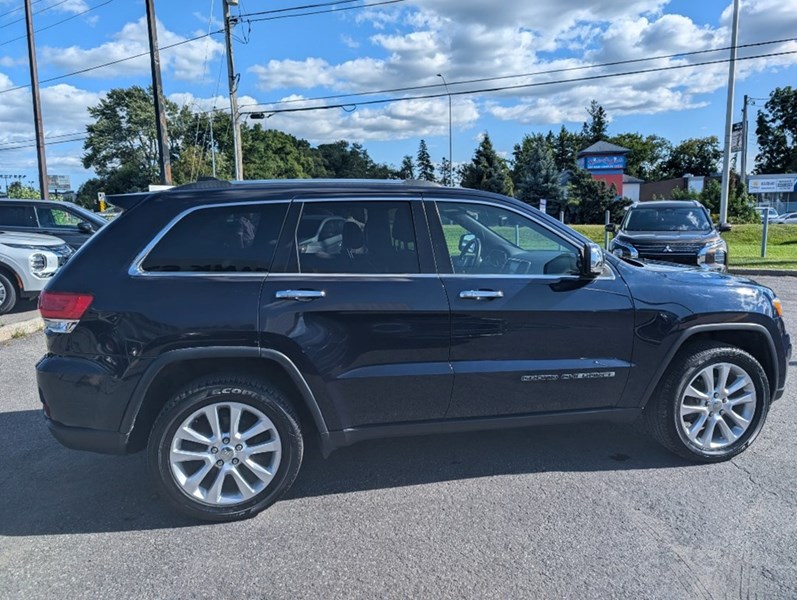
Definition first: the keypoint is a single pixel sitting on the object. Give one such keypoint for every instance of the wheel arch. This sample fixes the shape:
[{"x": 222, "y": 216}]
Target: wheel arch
[
  {"x": 9, "y": 272},
  {"x": 177, "y": 368},
  {"x": 753, "y": 338}
]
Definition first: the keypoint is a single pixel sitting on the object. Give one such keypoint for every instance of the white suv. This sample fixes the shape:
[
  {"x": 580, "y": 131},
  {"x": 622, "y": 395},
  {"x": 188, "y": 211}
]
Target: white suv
[{"x": 27, "y": 262}]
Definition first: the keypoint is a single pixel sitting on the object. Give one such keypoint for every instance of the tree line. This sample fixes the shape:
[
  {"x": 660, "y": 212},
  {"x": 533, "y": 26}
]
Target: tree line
[{"x": 121, "y": 149}]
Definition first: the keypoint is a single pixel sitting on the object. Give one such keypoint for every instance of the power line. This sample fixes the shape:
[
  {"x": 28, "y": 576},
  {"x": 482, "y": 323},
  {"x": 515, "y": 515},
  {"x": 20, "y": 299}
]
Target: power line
[
  {"x": 20, "y": 147},
  {"x": 292, "y": 8},
  {"x": 517, "y": 76},
  {"x": 46, "y": 8},
  {"x": 113, "y": 62},
  {"x": 75, "y": 16},
  {"x": 523, "y": 85},
  {"x": 321, "y": 12},
  {"x": 25, "y": 140},
  {"x": 13, "y": 10}
]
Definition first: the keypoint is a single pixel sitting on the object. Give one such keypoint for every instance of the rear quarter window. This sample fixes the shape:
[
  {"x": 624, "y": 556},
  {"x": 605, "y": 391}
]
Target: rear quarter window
[{"x": 235, "y": 239}]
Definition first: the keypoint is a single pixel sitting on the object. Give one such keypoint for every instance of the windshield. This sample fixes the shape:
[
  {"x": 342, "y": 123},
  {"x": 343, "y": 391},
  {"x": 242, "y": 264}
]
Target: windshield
[{"x": 666, "y": 219}]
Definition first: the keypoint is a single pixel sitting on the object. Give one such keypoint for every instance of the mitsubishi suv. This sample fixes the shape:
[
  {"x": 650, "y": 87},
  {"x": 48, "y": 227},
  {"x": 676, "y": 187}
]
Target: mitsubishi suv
[{"x": 199, "y": 325}]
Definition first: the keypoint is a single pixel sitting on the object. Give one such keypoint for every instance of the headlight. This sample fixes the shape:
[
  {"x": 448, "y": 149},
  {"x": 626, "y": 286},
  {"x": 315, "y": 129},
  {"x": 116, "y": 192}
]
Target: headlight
[
  {"x": 38, "y": 262},
  {"x": 713, "y": 254},
  {"x": 623, "y": 250}
]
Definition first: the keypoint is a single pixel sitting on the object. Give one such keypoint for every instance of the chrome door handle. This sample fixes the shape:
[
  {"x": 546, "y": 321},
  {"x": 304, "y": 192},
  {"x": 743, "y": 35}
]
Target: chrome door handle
[
  {"x": 481, "y": 294},
  {"x": 300, "y": 294}
]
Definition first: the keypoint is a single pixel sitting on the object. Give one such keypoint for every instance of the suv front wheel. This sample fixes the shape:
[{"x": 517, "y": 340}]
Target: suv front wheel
[
  {"x": 8, "y": 294},
  {"x": 711, "y": 403},
  {"x": 225, "y": 448}
]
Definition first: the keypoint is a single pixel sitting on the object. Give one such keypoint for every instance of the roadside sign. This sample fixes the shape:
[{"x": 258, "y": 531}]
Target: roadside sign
[
  {"x": 764, "y": 185},
  {"x": 737, "y": 137},
  {"x": 543, "y": 205},
  {"x": 101, "y": 200}
]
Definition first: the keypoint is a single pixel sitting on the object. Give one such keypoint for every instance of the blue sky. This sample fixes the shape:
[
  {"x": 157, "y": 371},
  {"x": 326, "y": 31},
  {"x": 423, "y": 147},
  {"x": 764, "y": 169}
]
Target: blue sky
[{"x": 395, "y": 46}]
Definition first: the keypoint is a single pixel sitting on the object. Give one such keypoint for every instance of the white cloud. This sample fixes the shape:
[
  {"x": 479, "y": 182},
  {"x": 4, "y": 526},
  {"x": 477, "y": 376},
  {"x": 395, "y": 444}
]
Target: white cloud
[{"x": 186, "y": 62}]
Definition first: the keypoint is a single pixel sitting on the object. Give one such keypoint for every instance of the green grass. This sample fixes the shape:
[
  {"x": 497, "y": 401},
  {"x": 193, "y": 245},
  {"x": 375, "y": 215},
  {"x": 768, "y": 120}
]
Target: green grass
[{"x": 744, "y": 245}]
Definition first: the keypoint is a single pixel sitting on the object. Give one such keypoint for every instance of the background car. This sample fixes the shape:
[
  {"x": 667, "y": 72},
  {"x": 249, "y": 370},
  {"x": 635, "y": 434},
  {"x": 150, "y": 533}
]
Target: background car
[
  {"x": 790, "y": 217},
  {"x": 678, "y": 231},
  {"x": 70, "y": 222},
  {"x": 772, "y": 214},
  {"x": 27, "y": 262}
]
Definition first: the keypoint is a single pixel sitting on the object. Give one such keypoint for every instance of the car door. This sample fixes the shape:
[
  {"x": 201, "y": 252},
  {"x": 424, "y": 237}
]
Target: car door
[
  {"x": 367, "y": 320},
  {"x": 529, "y": 334}
]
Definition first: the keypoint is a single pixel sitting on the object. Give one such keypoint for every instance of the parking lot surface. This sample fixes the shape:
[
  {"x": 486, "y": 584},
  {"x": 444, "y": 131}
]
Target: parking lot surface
[{"x": 574, "y": 511}]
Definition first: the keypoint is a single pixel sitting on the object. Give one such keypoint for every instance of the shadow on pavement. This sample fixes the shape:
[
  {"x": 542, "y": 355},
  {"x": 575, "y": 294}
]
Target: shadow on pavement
[{"x": 46, "y": 489}]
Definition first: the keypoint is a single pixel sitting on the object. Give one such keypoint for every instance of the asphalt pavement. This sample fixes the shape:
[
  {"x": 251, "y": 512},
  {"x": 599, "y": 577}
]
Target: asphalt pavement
[{"x": 587, "y": 511}]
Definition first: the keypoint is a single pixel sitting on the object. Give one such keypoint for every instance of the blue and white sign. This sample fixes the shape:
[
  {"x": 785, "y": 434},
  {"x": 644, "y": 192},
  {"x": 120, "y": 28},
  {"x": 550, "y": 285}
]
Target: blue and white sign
[
  {"x": 785, "y": 184},
  {"x": 605, "y": 163}
]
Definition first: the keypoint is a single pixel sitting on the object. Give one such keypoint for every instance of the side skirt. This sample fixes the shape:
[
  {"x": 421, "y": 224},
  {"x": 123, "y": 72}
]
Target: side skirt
[{"x": 338, "y": 439}]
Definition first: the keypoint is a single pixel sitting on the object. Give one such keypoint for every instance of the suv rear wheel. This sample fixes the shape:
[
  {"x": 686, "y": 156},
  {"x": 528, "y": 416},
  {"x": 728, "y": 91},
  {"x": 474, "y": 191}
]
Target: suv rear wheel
[
  {"x": 225, "y": 448},
  {"x": 8, "y": 294},
  {"x": 711, "y": 403}
]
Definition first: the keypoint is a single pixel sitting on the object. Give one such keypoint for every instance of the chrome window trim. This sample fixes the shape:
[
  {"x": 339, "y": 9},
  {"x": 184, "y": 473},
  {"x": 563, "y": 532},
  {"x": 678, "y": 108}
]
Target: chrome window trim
[
  {"x": 135, "y": 269},
  {"x": 279, "y": 276}
]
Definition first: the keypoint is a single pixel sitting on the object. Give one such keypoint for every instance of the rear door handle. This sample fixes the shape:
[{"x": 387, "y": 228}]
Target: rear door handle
[
  {"x": 300, "y": 294},
  {"x": 481, "y": 294}
]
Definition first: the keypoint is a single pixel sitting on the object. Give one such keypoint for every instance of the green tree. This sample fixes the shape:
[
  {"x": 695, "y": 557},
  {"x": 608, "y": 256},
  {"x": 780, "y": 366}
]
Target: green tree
[
  {"x": 20, "y": 191},
  {"x": 424, "y": 162},
  {"x": 589, "y": 199},
  {"x": 407, "y": 170},
  {"x": 776, "y": 129},
  {"x": 596, "y": 128},
  {"x": 697, "y": 156},
  {"x": 535, "y": 175},
  {"x": 446, "y": 172},
  {"x": 342, "y": 160},
  {"x": 123, "y": 134},
  {"x": 487, "y": 171},
  {"x": 272, "y": 154},
  {"x": 566, "y": 146},
  {"x": 647, "y": 155}
]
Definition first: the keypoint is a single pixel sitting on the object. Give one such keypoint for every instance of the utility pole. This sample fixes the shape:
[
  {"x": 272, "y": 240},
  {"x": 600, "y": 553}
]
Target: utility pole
[
  {"x": 232, "y": 79},
  {"x": 744, "y": 139},
  {"x": 726, "y": 161},
  {"x": 164, "y": 154},
  {"x": 450, "y": 174},
  {"x": 37, "y": 109}
]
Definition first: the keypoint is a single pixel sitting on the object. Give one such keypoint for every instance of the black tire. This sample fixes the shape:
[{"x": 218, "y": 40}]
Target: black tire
[
  {"x": 218, "y": 391},
  {"x": 10, "y": 290},
  {"x": 662, "y": 414}
]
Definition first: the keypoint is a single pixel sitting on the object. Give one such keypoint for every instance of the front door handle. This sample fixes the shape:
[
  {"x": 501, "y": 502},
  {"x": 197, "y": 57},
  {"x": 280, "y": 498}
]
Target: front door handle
[
  {"x": 481, "y": 294},
  {"x": 300, "y": 294}
]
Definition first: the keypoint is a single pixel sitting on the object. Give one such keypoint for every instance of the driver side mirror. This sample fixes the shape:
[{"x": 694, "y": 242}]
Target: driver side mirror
[
  {"x": 611, "y": 227},
  {"x": 85, "y": 227},
  {"x": 723, "y": 227},
  {"x": 465, "y": 240},
  {"x": 592, "y": 261}
]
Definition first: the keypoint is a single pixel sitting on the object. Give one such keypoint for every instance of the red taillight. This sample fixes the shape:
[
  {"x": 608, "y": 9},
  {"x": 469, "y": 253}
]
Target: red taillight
[{"x": 63, "y": 305}]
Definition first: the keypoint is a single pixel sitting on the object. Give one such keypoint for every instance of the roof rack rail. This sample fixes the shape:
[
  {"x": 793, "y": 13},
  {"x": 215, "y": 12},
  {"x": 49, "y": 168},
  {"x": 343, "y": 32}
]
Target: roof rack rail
[
  {"x": 203, "y": 183},
  {"x": 423, "y": 182}
]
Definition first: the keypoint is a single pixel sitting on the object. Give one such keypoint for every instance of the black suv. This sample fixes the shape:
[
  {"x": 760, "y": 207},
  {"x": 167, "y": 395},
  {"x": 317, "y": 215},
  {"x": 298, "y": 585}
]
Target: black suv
[
  {"x": 678, "y": 231},
  {"x": 200, "y": 326}
]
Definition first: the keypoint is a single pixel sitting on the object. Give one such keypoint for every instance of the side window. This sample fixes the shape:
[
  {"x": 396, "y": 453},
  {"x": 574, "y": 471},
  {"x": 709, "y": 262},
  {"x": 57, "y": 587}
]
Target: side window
[
  {"x": 17, "y": 216},
  {"x": 489, "y": 240},
  {"x": 236, "y": 239},
  {"x": 356, "y": 237},
  {"x": 56, "y": 218}
]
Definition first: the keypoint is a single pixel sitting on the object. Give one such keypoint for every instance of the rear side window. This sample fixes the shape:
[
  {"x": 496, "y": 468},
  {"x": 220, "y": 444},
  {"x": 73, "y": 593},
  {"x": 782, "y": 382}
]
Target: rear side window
[
  {"x": 17, "y": 216},
  {"x": 57, "y": 218},
  {"x": 357, "y": 237},
  {"x": 235, "y": 239}
]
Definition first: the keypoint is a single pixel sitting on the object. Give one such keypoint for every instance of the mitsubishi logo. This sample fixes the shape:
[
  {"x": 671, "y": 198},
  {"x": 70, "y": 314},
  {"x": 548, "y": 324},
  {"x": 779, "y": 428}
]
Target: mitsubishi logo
[{"x": 667, "y": 248}]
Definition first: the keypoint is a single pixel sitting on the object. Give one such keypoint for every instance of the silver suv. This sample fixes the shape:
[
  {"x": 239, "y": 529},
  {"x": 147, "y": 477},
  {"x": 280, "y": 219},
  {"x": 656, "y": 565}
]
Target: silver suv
[{"x": 27, "y": 262}]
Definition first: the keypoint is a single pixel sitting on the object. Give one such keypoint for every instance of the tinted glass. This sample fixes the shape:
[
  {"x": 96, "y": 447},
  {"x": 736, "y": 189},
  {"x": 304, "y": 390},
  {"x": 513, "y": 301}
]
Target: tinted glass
[
  {"x": 17, "y": 216},
  {"x": 55, "y": 218},
  {"x": 357, "y": 237},
  {"x": 667, "y": 219},
  {"x": 227, "y": 239},
  {"x": 486, "y": 239}
]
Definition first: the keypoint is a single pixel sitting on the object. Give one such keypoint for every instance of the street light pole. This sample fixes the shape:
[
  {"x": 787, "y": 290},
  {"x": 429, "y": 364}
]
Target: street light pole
[
  {"x": 726, "y": 161},
  {"x": 232, "y": 79},
  {"x": 450, "y": 176}
]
